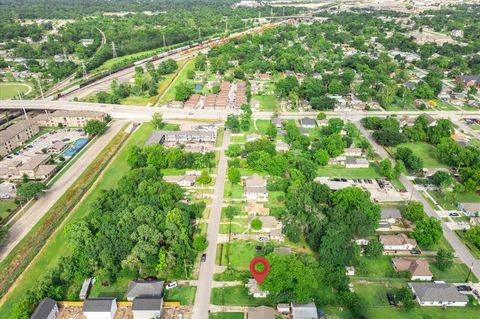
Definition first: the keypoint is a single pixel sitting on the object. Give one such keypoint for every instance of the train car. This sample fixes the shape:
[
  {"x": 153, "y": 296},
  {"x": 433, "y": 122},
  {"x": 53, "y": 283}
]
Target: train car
[
  {"x": 143, "y": 61},
  {"x": 70, "y": 89}
]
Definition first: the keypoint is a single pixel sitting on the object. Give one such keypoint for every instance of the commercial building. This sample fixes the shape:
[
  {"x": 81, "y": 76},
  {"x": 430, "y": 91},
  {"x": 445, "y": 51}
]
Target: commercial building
[{"x": 15, "y": 135}]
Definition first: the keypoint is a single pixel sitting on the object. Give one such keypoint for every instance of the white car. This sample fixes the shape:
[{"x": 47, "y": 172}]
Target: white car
[{"x": 172, "y": 285}]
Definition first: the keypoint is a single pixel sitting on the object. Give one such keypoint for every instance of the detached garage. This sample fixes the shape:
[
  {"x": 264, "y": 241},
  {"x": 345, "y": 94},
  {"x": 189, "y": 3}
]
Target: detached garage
[
  {"x": 147, "y": 308},
  {"x": 101, "y": 308}
]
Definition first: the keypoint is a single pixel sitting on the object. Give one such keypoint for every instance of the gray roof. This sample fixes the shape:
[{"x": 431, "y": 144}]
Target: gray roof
[
  {"x": 75, "y": 113},
  {"x": 391, "y": 212},
  {"x": 428, "y": 292},
  {"x": 356, "y": 160},
  {"x": 307, "y": 121},
  {"x": 140, "y": 304},
  {"x": 304, "y": 311},
  {"x": 468, "y": 78},
  {"x": 44, "y": 309},
  {"x": 15, "y": 129},
  {"x": 157, "y": 136},
  {"x": 470, "y": 207},
  {"x": 261, "y": 312},
  {"x": 98, "y": 304},
  {"x": 143, "y": 288}
]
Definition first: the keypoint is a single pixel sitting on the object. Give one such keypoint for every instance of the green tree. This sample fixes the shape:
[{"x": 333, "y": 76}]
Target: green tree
[
  {"x": 233, "y": 175},
  {"x": 386, "y": 168},
  {"x": 183, "y": 91},
  {"x": 204, "y": 178},
  {"x": 271, "y": 131},
  {"x": 256, "y": 224},
  {"x": 233, "y": 123},
  {"x": 232, "y": 211},
  {"x": 234, "y": 150},
  {"x": 442, "y": 179},
  {"x": 399, "y": 168},
  {"x": 95, "y": 127},
  {"x": 157, "y": 121},
  {"x": 405, "y": 298},
  {"x": 30, "y": 190},
  {"x": 321, "y": 116},
  {"x": 473, "y": 234},
  {"x": 414, "y": 211},
  {"x": 444, "y": 259},
  {"x": 374, "y": 248},
  {"x": 428, "y": 231},
  {"x": 200, "y": 243},
  {"x": 3, "y": 234},
  {"x": 322, "y": 157}
]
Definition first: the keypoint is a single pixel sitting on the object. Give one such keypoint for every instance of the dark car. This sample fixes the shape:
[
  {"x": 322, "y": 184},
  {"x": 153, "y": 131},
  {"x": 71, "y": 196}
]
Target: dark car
[
  {"x": 204, "y": 258},
  {"x": 454, "y": 214},
  {"x": 415, "y": 252},
  {"x": 258, "y": 248},
  {"x": 464, "y": 288},
  {"x": 391, "y": 299}
]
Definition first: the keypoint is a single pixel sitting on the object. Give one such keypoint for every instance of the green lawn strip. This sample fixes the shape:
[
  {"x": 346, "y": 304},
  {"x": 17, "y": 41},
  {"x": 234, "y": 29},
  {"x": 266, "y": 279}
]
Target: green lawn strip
[
  {"x": 397, "y": 184},
  {"x": 232, "y": 275},
  {"x": 468, "y": 197},
  {"x": 236, "y": 229},
  {"x": 241, "y": 253},
  {"x": 226, "y": 315},
  {"x": 426, "y": 152},
  {"x": 181, "y": 77},
  {"x": 442, "y": 243},
  {"x": 473, "y": 249},
  {"x": 185, "y": 295},
  {"x": 56, "y": 247},
  {"x": 117, "y": 289},
  {"x": 234, "y": 296},
  {"x": 238, "y": 139},
  {"x": 141, "y": 100},
  {"x": 7, "y": 206},
  {"x": 349, "y": 173},
  {"x": 457, "y": 273},
  {"x": 220, "y": 133},
  {"x": 475, "y": 127},
  {"x": 379, "y": 267},
  {"x": 440, "y": 199},
  {"x": 268, "y": 103},
  {"x": 173, "y": 171}
]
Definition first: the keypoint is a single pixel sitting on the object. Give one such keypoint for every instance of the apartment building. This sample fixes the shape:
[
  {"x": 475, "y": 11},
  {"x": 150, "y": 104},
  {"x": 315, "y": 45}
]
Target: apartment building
[
  {"x": 17, "y": 134},
  {"x": 69, "y": 118}
]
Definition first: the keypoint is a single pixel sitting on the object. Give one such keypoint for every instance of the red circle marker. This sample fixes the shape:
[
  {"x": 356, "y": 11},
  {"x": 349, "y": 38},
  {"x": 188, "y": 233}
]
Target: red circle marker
[{"x": 259, "y": 276}]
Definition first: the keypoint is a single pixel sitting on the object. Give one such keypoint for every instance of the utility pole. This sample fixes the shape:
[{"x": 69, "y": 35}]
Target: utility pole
[
  {"x": 84, "y": 69},
  {"x": 283, "y": 11},
  {"x": 40, "y": 86},
  {"x": 199, "y": 34},
  {"x": 469, "y": 273},
  {"x": 226, "y": 25},
  {"x": 114, "y": 51},
  {"x": 164, "y": 42}
]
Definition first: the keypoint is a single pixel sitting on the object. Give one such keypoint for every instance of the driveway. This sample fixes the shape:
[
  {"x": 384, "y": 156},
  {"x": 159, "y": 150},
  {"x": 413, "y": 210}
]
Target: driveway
[{"x": 205, "y": 279}]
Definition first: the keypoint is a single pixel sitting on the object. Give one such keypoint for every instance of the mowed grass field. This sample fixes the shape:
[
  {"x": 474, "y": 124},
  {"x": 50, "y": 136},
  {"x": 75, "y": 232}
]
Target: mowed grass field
[
  {"x": 178, "y": 77},
  {"x": 9, "y": 90},
  {"x": 56, "y": 247},
  {"x": 267, "y": 102},
  {"x": 425, "y": 151}
]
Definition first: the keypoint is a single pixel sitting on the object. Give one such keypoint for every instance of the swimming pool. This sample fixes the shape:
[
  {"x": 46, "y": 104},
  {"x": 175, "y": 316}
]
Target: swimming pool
[
  {"x": 76, "y": 147},
  {"x": 198, "y": 87}
]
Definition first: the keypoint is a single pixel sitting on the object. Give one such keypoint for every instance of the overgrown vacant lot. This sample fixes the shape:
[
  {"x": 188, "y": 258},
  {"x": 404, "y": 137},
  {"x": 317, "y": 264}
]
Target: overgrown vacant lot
[{"x": 426, "y": 152}]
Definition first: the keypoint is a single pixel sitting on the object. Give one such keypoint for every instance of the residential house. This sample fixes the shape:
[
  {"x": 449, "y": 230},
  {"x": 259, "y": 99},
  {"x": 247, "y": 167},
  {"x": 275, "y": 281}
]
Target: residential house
[
  {"x": 261, "y": 312},
  {"x": 256, "y": 188},
  {"x": 431, "y": 121},
  {"x": 304, "y": 311},
  {"x": 398, "y": 242},
  {"x": 254, "y": 290},
  {"x": 304, "y": 131},
  {"x": 100, "y": 308},
  {"x": 308, "y": 122},
  {"x": 390, "y": 215},
  {"x": 438, "y": 294},
  {"x": 339, "y": 160},
  {"x": 283, "y": 308},
  {"x": 253, "y": 137},
  {"x": 16, "y": 134},
  {"x": 474, "y": 221},
  {"x": 281, "y": 146},
  {"x": 470, "y": 209},
  {"x": 357, "y": 162},
  {"x": 147, "y": 308},
  {"x": 269, "y": 223},
  {"x": 349, "y": 270},
  {"x": 145, "y": 289},
  {"x": 470, "y": 80},
  {"x": 193, "y": 101},
  {"x": 353, "y": 151},
  {"x": 187, "y": 180},
  {"x": 69, "y": 118},
  {"x": 277, "y": 122},
  {"x": 46, "y": 309},
  {"x": 418, "y": 267},
  {"x": 160, "y": 137},
  {"x": 256, "y": 209}
]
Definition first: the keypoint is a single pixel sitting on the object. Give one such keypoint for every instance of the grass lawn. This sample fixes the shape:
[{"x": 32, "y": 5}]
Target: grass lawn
[
  {"x": 238, "y": 139},
  {"x": 378, "y": 268},
  {"x": 468, "y": 197},
  {"x": 220, "y": 133},
  {"x": 267, "y": 102},
  {"x": 475, "y": 142},
  {"x": 173, "y": 171},
  {"x": 236, "y": 229},
  {"x": 426, "y": 152},
  {"x": 442, "y": 243},
  {"x": 457, "y": 273},
  {"x": 185, "y": 294},
  {"x": 475, "y": 127},
  {"x": 118, "y": 289},
  {"x": 234, "y": 296},
  {"x": 440, "y": 199},
  {"x": 182, "y": 77},
  {"x": 241, "y": 253},
  {"x": 226, "y": 315},
  {"x": 233, "y": 190},
  {"x": 262, "y": 126},
  {"x": 10, "y": 90},
  {"x": 6, "y": 207},
  {"x": 349, "y": 173},
  {"x": 55, "y": 247},
  {"x": 473, "y": 249}
]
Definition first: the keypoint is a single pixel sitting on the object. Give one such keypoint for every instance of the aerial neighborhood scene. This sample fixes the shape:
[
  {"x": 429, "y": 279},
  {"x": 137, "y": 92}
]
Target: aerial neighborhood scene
[{"x": 239, "y": 159}]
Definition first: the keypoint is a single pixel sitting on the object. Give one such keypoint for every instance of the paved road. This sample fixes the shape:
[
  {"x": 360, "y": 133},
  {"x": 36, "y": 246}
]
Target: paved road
[
  {"x": 205, "y": 279},
  {"x": 28, "y": 220},
  {"x": 461, "y": 251}
]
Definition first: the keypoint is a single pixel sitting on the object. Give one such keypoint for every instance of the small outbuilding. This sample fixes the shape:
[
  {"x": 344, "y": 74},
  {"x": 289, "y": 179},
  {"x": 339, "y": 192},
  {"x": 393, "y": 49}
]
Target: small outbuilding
[
  {"x": 46, "y": 309},
  {"x": 100, "y": 308}
]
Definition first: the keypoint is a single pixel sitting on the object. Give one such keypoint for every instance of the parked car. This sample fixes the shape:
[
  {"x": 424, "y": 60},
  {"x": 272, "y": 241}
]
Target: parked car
[
  {"x": 263, "y": 238},
  {"x": 464, "y": 288},
  {"x": 171, "y": 285},
  {"x": 391, "y": 299},
  {"x": 454, "y": 214},
  {"x": 415, "y": 251},
  {"x": 204, "y": 258}
]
